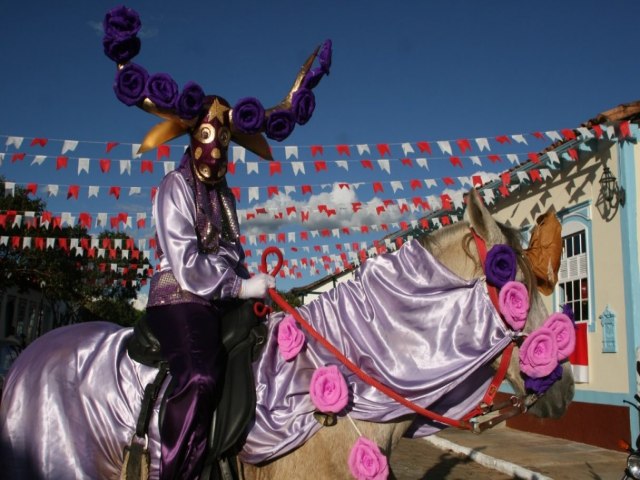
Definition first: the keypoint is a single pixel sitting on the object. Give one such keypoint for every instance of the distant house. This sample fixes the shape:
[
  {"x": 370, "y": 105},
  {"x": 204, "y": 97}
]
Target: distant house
[
  {"x": 27, "y": 314},
  {"x": 591, "y": 176}
]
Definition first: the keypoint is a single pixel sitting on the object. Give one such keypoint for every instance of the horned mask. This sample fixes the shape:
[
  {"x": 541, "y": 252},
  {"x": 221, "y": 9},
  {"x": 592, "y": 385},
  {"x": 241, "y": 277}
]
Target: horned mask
[{"x": 211, "y": 122}]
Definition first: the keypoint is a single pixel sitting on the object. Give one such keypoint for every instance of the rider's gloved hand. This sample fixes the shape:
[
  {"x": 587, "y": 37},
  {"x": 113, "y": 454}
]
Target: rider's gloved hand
[{"x": 256, "y": 286}]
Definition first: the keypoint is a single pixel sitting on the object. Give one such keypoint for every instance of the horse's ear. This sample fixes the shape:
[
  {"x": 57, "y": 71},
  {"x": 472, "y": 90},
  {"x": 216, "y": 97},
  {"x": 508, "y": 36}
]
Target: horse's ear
[
  {"x": 481, "y": 220},
  {"x": 545, "y": 250}
]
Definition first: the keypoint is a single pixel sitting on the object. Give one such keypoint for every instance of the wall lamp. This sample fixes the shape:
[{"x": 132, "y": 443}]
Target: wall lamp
[{"x": 612, "y": 193}]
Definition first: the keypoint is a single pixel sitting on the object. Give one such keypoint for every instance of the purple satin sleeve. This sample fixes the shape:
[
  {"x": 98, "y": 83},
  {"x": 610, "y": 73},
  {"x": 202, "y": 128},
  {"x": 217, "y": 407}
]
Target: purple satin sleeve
[{"x": 210, "y": 275}]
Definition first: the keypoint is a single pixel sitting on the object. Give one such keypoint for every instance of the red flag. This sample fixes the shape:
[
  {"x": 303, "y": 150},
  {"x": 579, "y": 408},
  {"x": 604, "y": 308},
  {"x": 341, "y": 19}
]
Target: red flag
[
  {"x": 32, "y": 188},
  {"x": 343, "y": 150},
  {"x": 448, "y": 181},
  {"x": 502, "y": 139},
  {"x": 415, "y": 184},
  {"x": 506, "y": 178},
  {"x": 446, "y": 202},
  {"x": 236, "y": 193},
  {"x": 463, "y": 145},
  {"x": 272, "y": 190},
  {"x": 61, "y": 162},
  {"x": 573, "y": 153},
  {"x": 39, "y": 141},
  {"x": 377, "y": 187},
  {"x": 17, "y": 156},
  {"x": 111, "y": 146},
  {"x": 538, "y": 135},
  {"x": 597, "y": 130},
  {"x": 424, "y": 147},
  {"x": 115, "y": 191},
  {"x": 455, "y": 161},
  {"x": 625, "y": 130},
  {"x": 568, "y": 134},
  {"x": 494, "y": 158},
  {"x": 383, "y": 149},
  {"x": 535, "y": 175},
  {"x": 274, "y": 167},
  {"x": 355, "y": 206},
  {"x": 320, "y": 165},
  {"x": 306, "y": 189},
  {"x": 406, "y": 162},
  {"x": 163, "y": 151},
  {"x": 477, "y": 180},
  {"x": 146, "y": 166},
  {"x": 290, "y": 210},
  {"x": 73, "y": 191},
  {"x": 105, "y": 165},
  {"x": 534, "y": 157},
  {"x": 315, "y": 149},
  {"x": 366, "y": 164}
]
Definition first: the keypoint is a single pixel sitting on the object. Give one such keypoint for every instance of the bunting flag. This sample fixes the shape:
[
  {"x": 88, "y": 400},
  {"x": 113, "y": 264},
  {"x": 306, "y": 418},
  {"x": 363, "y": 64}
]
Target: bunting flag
[{"x": 396, "y": 181}]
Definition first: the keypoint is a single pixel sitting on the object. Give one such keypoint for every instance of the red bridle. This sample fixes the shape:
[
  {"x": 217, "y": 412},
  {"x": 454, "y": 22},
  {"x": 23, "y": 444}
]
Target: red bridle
[{"x": 470, "y": 421}]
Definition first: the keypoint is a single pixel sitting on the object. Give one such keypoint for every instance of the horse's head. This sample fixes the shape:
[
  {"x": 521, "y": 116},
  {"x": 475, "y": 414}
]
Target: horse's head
[{"x": 445, "y": 245}]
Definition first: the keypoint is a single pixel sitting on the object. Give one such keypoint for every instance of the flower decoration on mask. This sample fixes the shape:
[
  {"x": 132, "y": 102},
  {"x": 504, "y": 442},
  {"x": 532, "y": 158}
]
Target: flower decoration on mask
[
  {"x": 366, "y": 461},
  {"x": 248, "y": 115},
  {"x": 290, "y": 338},
  {"x": 329, "y": 391},
  {"x": 121, "y": 26},
  {"x": 500, "y": 265},
  {"x": 514, "y": 304},
  {"x": 131, "y": 83}
]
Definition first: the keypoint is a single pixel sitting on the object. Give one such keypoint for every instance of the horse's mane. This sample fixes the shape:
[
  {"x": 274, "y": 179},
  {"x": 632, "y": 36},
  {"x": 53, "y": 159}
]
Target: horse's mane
[{"x": 434, "y": 241}]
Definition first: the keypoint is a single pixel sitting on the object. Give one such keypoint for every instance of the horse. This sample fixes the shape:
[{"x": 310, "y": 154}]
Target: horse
[{"x": 71, "y": 400}]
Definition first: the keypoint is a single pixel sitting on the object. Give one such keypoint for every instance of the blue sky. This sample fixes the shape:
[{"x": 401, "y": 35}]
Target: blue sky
[{"x": 403, "y": 72}]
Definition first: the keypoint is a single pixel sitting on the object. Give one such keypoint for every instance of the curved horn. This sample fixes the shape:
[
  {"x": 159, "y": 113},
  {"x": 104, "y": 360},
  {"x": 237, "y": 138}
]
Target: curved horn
[
  {"x": 286, "y": 101},
  {"x": 172, "y": 127}
]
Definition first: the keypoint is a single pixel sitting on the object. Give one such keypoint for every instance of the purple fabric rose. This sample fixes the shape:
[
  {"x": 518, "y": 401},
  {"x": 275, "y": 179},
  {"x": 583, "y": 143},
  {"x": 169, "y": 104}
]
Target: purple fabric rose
[
  {"x": 514, "y": 304},
  {"x": 565, "y": 334},
  {"x": 121, "y": 50},
  {"x": 312, "y": 78},
  {"x": 500, "y": 265},
  {"x": 366, "y": 461},
  {"x": 328, "y": 389},
  {"x": 162, "y": 90},
  {"x": 280, "y": 124},
  {"x": 568, "y": 311},
  {"x": 130, "y": 84},
  {"x": 324, "y": 56},
  {"x": 121, "y": 22},
  {"x": 290, "y": 338},
  {"x": 190, "y": 100},
  {"x": 542, "y": 384},
  {"x": 303, "y": 103},
  {"x": 248, "y": 115},
  {"x": 539, "y": 353}
]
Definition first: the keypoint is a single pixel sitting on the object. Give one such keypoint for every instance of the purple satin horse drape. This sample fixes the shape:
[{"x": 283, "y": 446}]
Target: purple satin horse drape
[{"x": 72, "y": 398}]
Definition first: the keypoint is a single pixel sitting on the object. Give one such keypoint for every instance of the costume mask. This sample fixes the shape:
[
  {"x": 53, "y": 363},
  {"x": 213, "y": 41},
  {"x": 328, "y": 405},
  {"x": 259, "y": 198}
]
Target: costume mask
[{"x": 210, "y": 120}]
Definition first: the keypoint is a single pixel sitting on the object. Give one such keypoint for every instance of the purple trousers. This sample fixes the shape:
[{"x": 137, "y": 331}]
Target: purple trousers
[{"x": 189, "y": 336}]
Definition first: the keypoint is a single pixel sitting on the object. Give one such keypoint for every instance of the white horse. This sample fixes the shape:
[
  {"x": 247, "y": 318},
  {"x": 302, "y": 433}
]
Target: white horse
[{"x": 418, "y": 320}]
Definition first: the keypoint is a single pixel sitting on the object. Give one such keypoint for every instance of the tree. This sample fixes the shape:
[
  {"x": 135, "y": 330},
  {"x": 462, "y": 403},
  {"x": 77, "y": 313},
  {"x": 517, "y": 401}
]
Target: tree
[{"x": 39, "y": 255}]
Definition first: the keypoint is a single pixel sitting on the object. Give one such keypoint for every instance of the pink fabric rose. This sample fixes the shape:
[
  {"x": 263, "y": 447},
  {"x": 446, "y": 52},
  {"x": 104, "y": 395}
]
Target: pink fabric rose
[
  {"x": 366, "y": 461},
  {"x": 328, "y": 389},
  {"x": 565, "y": 333},
  {"x": 290, "y": 338},
  {"x": 514, "y": 304},
  {"x": 539, "y": 353}
]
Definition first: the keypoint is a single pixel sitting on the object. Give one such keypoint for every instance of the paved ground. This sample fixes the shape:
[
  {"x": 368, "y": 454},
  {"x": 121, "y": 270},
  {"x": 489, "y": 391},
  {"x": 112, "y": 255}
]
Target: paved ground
[{"x": 503, "y": 453}]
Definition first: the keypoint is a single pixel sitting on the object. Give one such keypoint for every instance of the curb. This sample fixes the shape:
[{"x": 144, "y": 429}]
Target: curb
[{"x": 487, "y": 461}]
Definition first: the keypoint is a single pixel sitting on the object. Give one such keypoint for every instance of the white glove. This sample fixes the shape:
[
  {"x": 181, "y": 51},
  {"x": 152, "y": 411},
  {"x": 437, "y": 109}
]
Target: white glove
[{"x": 256, "y": 286}]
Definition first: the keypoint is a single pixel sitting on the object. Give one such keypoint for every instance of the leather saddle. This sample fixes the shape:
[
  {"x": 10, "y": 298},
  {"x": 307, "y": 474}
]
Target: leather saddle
[{"x": 243, "y": 337}]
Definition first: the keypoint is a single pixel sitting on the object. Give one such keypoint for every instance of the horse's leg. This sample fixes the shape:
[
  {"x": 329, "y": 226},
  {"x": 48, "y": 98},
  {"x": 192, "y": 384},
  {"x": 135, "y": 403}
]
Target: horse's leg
[{"x": 325, "y": 455}]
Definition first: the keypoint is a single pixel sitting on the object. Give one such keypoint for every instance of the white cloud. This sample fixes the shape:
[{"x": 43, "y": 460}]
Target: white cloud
[{"x": 338, "y": 198}]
